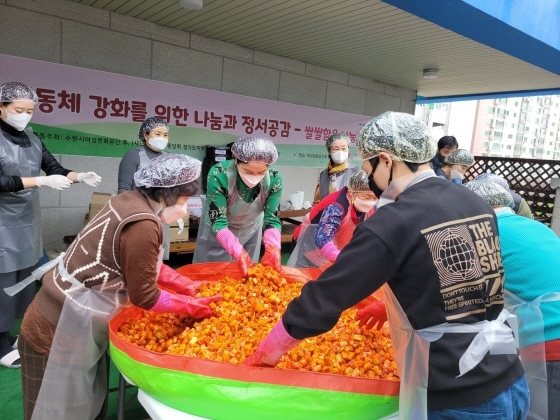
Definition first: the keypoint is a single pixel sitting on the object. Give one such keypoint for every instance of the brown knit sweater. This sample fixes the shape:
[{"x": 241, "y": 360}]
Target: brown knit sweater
[{"x": 122, "y": 240}]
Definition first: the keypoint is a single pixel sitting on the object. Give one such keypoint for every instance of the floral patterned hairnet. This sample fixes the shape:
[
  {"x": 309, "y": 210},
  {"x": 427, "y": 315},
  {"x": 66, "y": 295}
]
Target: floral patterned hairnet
[
  {"x": 403, "y": 136},
  {"x": 358, "y": 182},
  {"x": 496, "y": 179},
  {"x": 335, "y": 137},
  {"x": 460, "y": 157},
  {"x": 491, "y": 192},
  {"x": 151, "y": 124},
  {"x": 255, "y": 149},
  {"x": 17, "y": 91},
  {"x": 168, "y": 170}
]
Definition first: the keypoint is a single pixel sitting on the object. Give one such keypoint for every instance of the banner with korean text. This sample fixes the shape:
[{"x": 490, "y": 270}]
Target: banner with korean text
[{"x": 94, "y": 113}]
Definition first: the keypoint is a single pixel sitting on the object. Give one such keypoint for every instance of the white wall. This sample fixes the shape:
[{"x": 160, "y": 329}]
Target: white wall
[{"x": 74, "y": 34}]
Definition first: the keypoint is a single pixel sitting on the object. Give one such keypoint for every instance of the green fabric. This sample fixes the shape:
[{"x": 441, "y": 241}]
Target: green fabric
[
  {"x": 224, "y": 399},
  {"x": 525, "y": 210},
  {"x": 217, "y": 193}
]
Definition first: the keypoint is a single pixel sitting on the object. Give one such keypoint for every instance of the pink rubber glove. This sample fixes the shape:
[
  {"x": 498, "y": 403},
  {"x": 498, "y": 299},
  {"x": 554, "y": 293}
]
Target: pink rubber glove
[
  {"x": 277, "y": 343},
  {"x": 180, "y": 304},
  {"x": 232, "y": 245},
  {"x": 172, "y": 280},
  {"x": 272, "y": 243},
  {"x": 330, "y": 251},
  {"x": 373, "y": 313}
]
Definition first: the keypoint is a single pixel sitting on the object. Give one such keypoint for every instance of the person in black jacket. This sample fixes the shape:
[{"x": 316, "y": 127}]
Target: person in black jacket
[
  {"x": 434, "y": 247},
  {"x": 445, "y": 145},
  {"x": 22, "y": 157}
]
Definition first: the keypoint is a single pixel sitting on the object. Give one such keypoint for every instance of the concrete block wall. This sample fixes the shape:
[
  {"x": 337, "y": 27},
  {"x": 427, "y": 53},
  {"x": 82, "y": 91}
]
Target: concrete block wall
[{"x": 74, "y": 34}]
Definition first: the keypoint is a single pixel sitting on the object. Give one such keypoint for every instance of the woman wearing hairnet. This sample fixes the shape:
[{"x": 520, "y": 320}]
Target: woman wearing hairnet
[
  {"x": 242, "y": 200},
  {"x": 520, "y": 206},
  {"x": 455, "y": 165},
  {"x": 339, "y": 169},
  {"x": 115, "y": 258},
  {"x": 529, "y": 251},
  {"x": 330, "y": 224},
  {"x": 22, "y": 157},
  {"x": 154, "y": 134}
]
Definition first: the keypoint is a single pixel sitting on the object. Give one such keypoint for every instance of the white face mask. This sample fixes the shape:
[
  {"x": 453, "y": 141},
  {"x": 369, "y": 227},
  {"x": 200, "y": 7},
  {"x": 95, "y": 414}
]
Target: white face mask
[
  {"x": 339, "y": 157},
  {"x": 364, "y": 205},
  {"x": 158, "y": 143},
  {"x": 251, "y": 180},
  {"x": 18, "y": 121}
]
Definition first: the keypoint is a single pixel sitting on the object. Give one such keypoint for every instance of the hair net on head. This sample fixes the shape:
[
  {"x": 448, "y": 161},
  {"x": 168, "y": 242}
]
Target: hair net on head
[
  {"x": 335, "y": 137},
  {"x": 17, "y": 91},
  {"x": 151, "y": 124},
  {"x": 403, "y": 136},
  {"x": 168, "y": 170},
  {"x": 460, "y": 157},
  {"x": 491, "y": 192},
  {"x": 255, "y": 149},
  {"x": 358, "y": 182},
  {"x": 496, "y": 179}
]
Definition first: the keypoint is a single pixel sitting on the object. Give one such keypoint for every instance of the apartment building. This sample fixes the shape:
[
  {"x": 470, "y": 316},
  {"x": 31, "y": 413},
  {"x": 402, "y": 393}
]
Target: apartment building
[{"x": 525, "y": 127}]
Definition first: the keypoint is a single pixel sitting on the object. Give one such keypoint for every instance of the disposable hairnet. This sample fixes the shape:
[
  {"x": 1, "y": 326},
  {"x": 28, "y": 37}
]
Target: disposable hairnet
[
  {"x": 151, "y": 124},
  {"x": 255, "y": 149},
  {"x": 358, "y": 182},
  {"x": 16, "y": 91},
  {"x": 335, "y": 137},
  {"x": 168, "y": 170},
  {"x": 496, "y": 179},
  {"x": 403, "y": 136},
  {"x": 491, "y": 192},
  {"x": 460, "y": 157}
]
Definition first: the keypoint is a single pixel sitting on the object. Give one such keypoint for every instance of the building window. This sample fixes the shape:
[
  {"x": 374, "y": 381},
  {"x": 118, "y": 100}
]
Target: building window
[
  {"x": 537, "y": 120},
  {"x": 495, "y": 155},
  {"x": 516, "y": 103},
  {"x": 510, "y": 136},
  {"x": 513, "y": 126},
  {"x": 514, "y": 115},
  {"x": 487, "y": 133},
  {"x": 517, "y": 150},
  {"x": 508, "y": 147},
  {"x": 524, "y": 149},
  {"x": 548, "y": 152},
  {"x": 519, "y": 137},
  {"x": 499, "y": 125},
  {"x": 496, "y": 147},
  {"x": 491, "y": 109},
  {"x": 485, "y": 145},
  {"x": 539, "y": 151},
  {"x": 531, "y": 150},
  {"x": 551, "y": 133},
  {"x": 489, "y": 121},
  {"x": 497, "y": 135}
]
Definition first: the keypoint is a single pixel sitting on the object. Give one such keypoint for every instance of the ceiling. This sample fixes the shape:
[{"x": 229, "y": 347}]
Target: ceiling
[{"x": 366, "y": 38}]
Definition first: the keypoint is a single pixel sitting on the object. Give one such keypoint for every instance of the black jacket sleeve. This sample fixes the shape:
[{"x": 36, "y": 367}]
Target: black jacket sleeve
[
  {"x": 363, "y": 266},
  {"x": 50, "y": 165},
  {"x": 9, "y": 183}
]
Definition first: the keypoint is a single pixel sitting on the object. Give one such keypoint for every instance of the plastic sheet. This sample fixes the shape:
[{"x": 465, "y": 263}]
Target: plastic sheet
[{"x": 220, "y": 390}]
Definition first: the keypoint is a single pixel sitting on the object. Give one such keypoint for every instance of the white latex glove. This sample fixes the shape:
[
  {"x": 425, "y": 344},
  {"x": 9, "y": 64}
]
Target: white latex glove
[
  {"x": 90, "y": 178},
  {"x": 56, "y": 182},
  {"x": 455, "y": 174}
]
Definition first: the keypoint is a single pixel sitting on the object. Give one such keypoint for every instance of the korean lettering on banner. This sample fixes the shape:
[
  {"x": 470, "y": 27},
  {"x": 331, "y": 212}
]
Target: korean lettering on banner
[
  {"x": 322, "y": 134},
  {"x": 119, "y": 108},
  {"x": 270, "y": 127},
  {"x": 48, "y": 99}
]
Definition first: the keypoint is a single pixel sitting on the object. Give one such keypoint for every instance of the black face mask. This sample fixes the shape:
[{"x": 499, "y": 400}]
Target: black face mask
[
  {"x": 440, "y": 158},
  {"x": 371, "y": 182}
]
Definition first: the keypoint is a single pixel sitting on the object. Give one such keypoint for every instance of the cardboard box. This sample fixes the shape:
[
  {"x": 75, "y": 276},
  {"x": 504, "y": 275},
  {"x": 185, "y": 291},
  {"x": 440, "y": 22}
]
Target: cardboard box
[
  {"x": 174, "y": 235},
  {"x": 98, "y": 201}
]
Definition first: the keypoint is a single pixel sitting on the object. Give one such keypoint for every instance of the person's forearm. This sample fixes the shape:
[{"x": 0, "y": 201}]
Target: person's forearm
[
  {"x": 72, "y": 176},
  {"x": 29, "y": 182}
]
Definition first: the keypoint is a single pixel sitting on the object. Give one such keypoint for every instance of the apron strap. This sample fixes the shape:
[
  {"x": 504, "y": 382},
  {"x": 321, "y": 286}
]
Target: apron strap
[{"x": 37, "y": 274}]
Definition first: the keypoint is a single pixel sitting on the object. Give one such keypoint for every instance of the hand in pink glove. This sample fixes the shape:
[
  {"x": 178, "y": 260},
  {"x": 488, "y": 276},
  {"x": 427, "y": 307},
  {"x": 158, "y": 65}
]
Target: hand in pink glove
[
  {"x": 232, "y": 245},
  {"x": 330, "y": 251},
  {"x": 272, "y": 244},
  {"x": 172, "y": 280},
  {"x": 371, "y": 314},
  {"x": 180, "y": 304},
  {"x": 277, "y": 343}
]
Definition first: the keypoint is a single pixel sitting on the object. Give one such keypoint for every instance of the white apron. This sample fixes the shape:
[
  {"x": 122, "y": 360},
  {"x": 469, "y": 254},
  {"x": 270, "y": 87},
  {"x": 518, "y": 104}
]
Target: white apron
[
  {"x": 533, "y": 356},
  {"x": 245, "y": 221}
]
